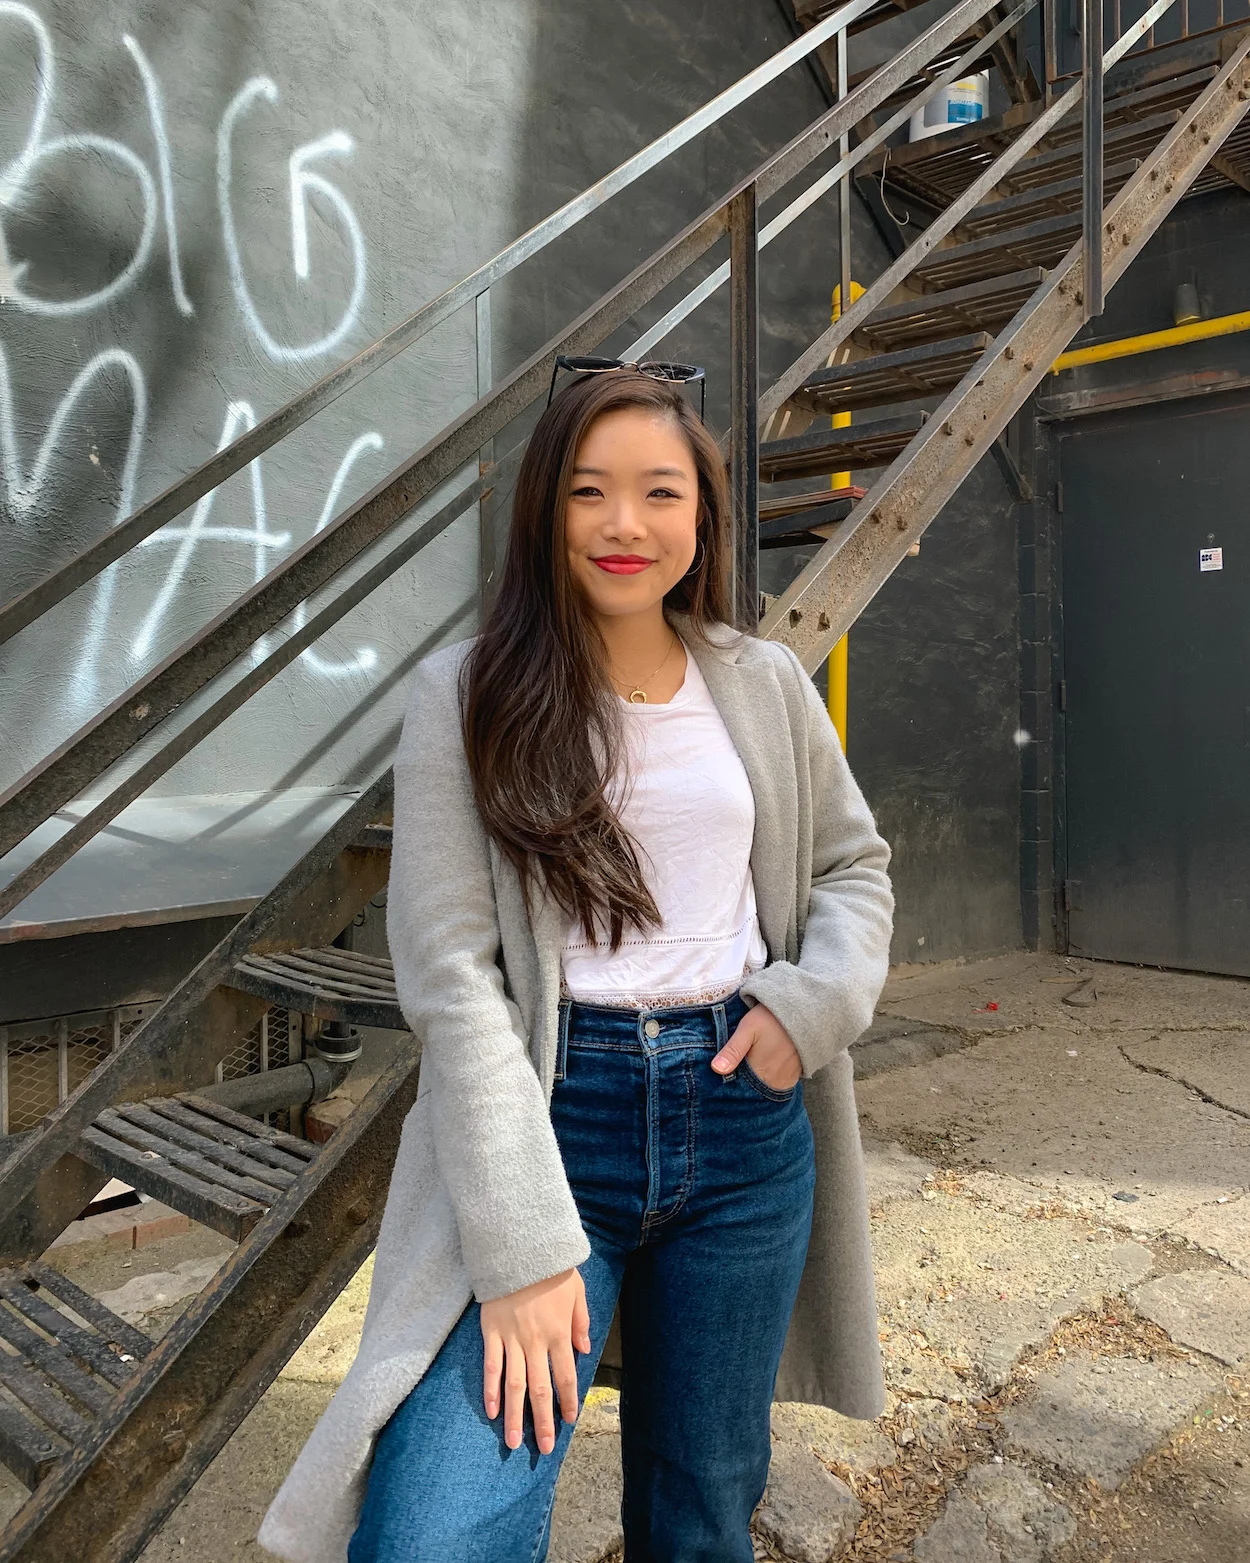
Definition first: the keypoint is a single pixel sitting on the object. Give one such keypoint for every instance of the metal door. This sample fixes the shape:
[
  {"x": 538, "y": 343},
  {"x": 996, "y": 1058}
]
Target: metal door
[{"x": 1156, "y": 602}]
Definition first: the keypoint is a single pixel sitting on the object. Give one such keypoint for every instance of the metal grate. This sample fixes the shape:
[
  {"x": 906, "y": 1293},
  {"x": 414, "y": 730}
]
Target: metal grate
[
  {"x": 42, "y": 1061},
  {"x": 276, "y": 1039}
]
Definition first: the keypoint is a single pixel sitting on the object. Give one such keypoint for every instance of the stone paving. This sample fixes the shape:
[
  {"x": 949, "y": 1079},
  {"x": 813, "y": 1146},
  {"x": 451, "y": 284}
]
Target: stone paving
[{"x": 1060, "y": 1198}]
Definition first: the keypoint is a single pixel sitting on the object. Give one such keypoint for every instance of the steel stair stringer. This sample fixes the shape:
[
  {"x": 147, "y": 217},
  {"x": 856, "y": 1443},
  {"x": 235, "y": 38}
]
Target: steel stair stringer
[
  {"x": 44, "y": 1184},
  {"x": 189, "y": 1394},
  {"x": 830, "y": 593}
]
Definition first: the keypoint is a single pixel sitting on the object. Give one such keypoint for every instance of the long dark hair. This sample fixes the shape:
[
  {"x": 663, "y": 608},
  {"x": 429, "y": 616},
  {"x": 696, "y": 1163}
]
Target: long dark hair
[{"x": 542, "y": 727}]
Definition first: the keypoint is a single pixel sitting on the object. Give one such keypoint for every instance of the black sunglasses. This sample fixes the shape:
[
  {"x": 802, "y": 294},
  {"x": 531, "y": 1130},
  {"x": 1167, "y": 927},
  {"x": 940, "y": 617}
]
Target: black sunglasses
[{"x": 681, "y": 374}]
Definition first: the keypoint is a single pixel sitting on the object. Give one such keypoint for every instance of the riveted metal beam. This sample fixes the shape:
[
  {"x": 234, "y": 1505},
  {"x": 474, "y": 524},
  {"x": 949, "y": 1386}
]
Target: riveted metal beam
[
  {"x": 104, "y": 1501},
  {"x": 853, "y": 566}
]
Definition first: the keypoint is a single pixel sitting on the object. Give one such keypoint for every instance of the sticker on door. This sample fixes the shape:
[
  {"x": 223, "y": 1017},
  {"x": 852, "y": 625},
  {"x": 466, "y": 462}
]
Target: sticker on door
[{"x": 1210, "y": 558}]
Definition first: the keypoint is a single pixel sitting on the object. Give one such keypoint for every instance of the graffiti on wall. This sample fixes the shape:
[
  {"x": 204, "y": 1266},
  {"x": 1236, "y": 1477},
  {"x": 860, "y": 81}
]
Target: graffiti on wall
[{"x": 24, "y": 476}]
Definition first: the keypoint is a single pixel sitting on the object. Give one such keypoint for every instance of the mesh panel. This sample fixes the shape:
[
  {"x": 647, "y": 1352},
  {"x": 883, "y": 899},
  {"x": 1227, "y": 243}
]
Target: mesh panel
[
  {"x": 43, "y": 1061},
  {"x": 244, "y": 1058},
  {"x": 273, "y": 1041},
  {"x": 32, "y": 1072}
]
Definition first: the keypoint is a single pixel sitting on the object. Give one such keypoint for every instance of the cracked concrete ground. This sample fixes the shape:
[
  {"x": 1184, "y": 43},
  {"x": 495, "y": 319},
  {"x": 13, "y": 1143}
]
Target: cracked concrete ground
[{"x": 1061, "y": 1215}]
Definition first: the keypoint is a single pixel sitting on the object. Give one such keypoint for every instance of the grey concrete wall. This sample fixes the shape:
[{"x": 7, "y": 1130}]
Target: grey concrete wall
[
  {"x": 203, "y": 208},
  {"x": 155, "y": 296}
]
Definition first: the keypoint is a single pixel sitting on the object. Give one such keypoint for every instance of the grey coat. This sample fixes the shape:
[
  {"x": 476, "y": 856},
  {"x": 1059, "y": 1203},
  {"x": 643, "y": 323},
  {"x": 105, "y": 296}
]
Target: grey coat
[{"x": 479, "y": 1204}]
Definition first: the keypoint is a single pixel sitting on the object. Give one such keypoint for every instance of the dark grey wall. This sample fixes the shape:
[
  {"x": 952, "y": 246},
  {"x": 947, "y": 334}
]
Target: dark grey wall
[{"x": 1205, "y": 240}]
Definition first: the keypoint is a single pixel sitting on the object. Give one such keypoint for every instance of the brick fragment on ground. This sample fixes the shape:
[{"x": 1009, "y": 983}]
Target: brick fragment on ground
[
  {"x": 1098, "y": 1417},
  {"x": 807, "y": 1513},
  {"x": 1208, "y": 1310},
  {"x": 1000, "y": 1515}
]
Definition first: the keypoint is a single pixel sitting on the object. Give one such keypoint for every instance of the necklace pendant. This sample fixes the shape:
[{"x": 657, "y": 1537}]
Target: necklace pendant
[{"x": 638, "y": 697}]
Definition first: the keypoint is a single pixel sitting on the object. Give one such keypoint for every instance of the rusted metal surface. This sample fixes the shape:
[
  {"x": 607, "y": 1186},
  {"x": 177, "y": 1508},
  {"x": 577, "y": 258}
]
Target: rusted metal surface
[
  {"x": 1091, "y": 153},
  {"x": 889, "y": 378},
  {"x": 104, "y": 1501},
  {"x": 835, "y": 587},
  {"x": 61, "y": 1374},
  {"x": 1039, "y": 125},
  {"x": 744, "y": 398},
  {"x": 180, "y": 1044}
]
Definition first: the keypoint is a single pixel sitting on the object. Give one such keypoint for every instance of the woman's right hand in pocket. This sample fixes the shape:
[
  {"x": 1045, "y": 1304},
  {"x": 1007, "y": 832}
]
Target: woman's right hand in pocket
[{"x": 529, "y": 1337}]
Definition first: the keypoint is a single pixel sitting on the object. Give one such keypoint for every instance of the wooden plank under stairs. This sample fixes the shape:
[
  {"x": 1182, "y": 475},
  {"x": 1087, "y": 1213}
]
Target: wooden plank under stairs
[
  {"x": 1051, "y": 200},
  {"x": 890, "y": 378},
  {"x": 1034, "y": 244},
  {"x": 978, "y": 306},
  {"x": 839, "y": 450}
]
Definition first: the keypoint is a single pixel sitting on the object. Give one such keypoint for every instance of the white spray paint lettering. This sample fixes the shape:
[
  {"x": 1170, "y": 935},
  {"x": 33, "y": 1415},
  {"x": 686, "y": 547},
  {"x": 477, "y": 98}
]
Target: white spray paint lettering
[{"x": 19, "y": 180}]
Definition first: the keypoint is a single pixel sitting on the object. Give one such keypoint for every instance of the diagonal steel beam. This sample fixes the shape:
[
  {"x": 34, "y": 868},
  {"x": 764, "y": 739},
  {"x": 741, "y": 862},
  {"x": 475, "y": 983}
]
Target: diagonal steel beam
[
  {"x": 104, "y": 1501},
  {"x": 89, "y": 752},
  {"x": 851, "y": 568}
]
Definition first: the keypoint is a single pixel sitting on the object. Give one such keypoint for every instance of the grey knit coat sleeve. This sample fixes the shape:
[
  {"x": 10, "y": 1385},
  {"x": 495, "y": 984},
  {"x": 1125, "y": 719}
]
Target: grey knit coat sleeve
[
  {"x": 494, "y": 1140},
  {"x": 824, "y": 994}
]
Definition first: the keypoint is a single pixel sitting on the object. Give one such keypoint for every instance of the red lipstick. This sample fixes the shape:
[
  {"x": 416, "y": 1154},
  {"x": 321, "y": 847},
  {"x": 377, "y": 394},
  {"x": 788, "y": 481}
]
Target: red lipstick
[{"x": 622, "y": 564}]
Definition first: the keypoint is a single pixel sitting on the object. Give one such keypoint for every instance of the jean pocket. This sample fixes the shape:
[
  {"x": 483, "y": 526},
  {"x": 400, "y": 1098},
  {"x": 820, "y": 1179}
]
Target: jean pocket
[{"x": 761, "y": 1088}]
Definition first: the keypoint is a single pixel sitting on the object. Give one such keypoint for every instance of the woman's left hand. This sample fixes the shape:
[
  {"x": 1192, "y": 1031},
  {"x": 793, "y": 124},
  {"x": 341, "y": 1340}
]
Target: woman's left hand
[{"x": 774, "y": 1058}]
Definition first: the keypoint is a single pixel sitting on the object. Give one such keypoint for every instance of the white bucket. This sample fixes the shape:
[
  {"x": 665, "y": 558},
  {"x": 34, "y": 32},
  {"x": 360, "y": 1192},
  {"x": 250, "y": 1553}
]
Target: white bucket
[{"x": 962, "y": 103}]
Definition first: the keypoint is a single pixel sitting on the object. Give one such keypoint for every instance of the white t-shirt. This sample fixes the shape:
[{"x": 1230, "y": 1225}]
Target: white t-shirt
[{"x": 691, "y": 812}]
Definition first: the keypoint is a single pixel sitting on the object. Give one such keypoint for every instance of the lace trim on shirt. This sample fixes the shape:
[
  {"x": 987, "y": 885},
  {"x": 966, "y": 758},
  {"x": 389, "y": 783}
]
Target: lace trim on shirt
[{"x": 631, "y": 1001}]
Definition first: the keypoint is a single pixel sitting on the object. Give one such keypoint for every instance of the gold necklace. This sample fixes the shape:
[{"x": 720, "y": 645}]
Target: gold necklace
[{"x": 638, "y": 695}]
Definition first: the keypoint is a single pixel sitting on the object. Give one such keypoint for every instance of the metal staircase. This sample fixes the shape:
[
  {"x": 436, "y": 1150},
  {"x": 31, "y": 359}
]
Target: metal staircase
[{"x": 108, "y": 1429}]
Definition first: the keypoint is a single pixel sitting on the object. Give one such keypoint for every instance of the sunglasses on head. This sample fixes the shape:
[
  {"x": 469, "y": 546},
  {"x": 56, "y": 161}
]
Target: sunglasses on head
[{"x": 678, "y": 373}]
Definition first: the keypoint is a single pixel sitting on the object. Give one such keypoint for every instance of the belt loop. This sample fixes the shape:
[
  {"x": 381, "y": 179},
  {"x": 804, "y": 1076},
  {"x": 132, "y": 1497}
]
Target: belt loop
[
  {"x": 722, "y": 1025},
  {"x": 562, "y": 1039}
]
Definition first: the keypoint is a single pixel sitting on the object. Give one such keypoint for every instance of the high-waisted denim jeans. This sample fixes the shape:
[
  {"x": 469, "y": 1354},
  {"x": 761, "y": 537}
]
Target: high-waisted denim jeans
[{"x": 695, "y": 1191}]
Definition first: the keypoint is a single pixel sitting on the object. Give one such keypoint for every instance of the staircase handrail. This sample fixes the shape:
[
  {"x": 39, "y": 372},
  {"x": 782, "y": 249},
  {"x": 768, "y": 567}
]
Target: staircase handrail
[
  {"x": 31, "y": 604},
  {"x": 100, "y": 743}
]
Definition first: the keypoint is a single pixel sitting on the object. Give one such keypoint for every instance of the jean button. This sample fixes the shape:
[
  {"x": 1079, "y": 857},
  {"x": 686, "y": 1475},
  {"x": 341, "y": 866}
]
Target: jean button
[{"x": 652, "y": 1029}]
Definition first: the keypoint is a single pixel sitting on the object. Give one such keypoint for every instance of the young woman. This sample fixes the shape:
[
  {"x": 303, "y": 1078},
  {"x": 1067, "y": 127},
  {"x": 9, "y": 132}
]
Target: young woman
[{"x": 638, "y": 910}]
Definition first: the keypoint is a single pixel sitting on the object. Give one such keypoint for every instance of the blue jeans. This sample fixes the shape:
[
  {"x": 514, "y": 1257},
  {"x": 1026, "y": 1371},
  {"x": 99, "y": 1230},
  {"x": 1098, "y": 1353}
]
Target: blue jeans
[{"x": 695, "y": 1191}]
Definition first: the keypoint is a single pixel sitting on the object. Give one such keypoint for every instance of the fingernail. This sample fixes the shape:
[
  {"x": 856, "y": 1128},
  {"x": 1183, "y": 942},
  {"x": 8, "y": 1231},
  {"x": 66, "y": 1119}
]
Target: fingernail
[{"x": 492, "y": 1408}]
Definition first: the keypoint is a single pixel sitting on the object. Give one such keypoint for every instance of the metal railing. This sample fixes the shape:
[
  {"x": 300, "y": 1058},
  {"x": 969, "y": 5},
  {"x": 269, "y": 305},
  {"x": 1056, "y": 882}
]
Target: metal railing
[
  {"x": 473, "y": 289},
  {"x": 1067, "y": 28},
  {"x": 160, "y": 693}
]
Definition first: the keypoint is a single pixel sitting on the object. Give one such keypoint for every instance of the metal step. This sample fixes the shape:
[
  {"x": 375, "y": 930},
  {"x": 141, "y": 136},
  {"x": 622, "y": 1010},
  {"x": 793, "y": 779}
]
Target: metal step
[
  {"x": 782, "y": 505},
  {"x": 808, "y": 12},
  {"x": 1133, "y": 140},
  {"x": 986, "y": 305},
  {"x": 812, "y": 525},
  {"x": 209, "y": 1162},
  {"x": 939, "y": 169},
  {"x": 58, "y": 1372},
  {"x": 1050, "y": 200},
  {"x": 329, "y": 983},
  {"x": 890, "y": 378},
  {"x": 1036, "y": 244},
  {"x": 839, "y": 450}
]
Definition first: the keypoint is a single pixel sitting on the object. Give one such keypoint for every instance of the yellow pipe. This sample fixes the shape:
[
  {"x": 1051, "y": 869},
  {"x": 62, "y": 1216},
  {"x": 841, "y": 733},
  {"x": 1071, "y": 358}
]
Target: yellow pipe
[
  {"x": 838, "y": 664},
  {"x": 1152, "y": 341}
]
